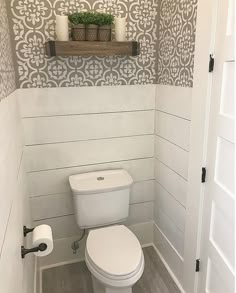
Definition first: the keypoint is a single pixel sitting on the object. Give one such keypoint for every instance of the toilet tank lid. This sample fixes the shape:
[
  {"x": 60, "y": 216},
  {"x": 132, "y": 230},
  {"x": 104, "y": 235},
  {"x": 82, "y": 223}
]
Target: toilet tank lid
[{"x": 101, "y": 181}]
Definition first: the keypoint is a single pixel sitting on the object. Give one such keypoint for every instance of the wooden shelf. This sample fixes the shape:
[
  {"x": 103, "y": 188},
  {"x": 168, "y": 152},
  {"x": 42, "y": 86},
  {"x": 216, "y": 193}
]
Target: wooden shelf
[{"x": 74, "y": 48}]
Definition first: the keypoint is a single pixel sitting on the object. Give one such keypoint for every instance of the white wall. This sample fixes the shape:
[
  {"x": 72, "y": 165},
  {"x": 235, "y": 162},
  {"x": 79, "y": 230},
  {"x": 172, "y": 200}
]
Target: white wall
[
  {"x": 172, "y": 131},
  {"x": 16, "y": 275},
  {"x": 75, "y": 130}
]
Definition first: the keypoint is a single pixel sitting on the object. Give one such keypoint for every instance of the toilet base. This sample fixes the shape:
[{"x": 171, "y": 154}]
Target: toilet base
[{"x": 100, "y": 288}]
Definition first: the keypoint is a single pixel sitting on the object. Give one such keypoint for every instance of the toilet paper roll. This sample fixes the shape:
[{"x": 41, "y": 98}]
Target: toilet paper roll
[
  {"x": 43, "y": 234},
  {"x": 62, "y": 28},
  {"x": 120, "y": 29}
]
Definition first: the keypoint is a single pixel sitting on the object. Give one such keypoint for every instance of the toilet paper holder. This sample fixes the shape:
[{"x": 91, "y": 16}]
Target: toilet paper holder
[
  {"x": 27, "y": 230},
  {"x": 24, "y": 251}
]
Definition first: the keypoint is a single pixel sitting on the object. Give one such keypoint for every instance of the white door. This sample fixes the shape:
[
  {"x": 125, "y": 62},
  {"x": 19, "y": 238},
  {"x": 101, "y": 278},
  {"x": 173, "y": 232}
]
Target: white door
[{"x": 217, "y": 244}]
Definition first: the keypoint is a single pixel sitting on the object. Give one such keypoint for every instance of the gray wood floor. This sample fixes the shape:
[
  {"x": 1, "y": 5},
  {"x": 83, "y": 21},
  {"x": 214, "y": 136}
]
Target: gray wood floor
[{"x": 76, "y": 278}]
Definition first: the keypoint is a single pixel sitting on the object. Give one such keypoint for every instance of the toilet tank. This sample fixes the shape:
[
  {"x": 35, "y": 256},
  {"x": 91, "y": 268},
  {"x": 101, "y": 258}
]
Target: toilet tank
[{"x": 101, "y": 198}]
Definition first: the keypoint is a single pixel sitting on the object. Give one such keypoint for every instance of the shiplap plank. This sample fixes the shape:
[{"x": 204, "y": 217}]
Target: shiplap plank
[
  {"x": 66, "y": 226},
  {"x": 174, "y": 129},
  {"x": 169, "y": 254},
  {"x": 140, "y": 213},
  {"x": 51, "y": 156},
  {"x": 169, "y": 229},
  {"x": 55, "y": 129},
  {"x": 142, "y": 191},
  {"x": 49, "y": 206},
  {"x": 57, "y": 181},
  {"x": 83, "y": 100},
  {"x": 172, "y": 208},
  {"x": 172, "y": 156},
  {"x": 174, "y": 100},
  {"x": 172, "y": 182}
]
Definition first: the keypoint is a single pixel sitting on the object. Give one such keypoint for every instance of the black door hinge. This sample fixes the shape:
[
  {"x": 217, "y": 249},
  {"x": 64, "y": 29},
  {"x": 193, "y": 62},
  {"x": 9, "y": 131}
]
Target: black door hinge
[
  {"x": 197, "y": 269},
  {"x": 211, "y": 63},
  {"x": 203, "y": 175}
]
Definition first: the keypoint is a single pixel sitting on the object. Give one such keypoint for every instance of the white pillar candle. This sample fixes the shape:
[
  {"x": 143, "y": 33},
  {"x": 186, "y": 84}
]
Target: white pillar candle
[
  {"x": 120, "y": 29},
  {"x": 62, "y": 28}
]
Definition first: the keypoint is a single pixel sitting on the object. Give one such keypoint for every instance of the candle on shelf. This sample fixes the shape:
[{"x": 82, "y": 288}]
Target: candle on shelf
[
  {"x": 120, "y": 29},
  {"x": 62, "y": 28}
]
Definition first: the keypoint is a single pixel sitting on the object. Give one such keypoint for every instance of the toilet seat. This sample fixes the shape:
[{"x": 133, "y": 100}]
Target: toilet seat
[{"x": 114, "y": 256}]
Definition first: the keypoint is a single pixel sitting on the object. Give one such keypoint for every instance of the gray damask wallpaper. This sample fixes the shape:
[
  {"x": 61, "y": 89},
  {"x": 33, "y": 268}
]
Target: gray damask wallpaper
[
  {"x": 176, "y": 42},
  {"x": 33, "y": 23},
  {"x": 7, "y": 75},
  {"x": 165, "y": 29}
]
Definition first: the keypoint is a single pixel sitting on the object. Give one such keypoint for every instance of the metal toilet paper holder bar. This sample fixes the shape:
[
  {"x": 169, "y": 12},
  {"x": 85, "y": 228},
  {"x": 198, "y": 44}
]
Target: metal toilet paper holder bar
[{"x": 24, "y": 251}]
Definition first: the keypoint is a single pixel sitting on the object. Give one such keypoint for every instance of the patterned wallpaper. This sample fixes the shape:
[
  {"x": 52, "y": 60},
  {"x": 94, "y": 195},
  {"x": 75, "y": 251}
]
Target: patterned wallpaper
[
  {"x": 33, "y": 23},
  {"x": 7, "y": 74},
  {"x": 177, "y": 25},
  {"x": 165, "y": 29}
]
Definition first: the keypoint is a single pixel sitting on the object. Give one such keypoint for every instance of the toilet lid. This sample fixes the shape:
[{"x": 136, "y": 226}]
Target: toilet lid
[{"x": 115, "y": 250}]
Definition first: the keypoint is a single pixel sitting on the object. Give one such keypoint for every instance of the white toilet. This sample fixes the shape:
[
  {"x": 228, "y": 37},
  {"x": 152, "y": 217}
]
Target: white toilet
[{"x": 113, "y": 254}]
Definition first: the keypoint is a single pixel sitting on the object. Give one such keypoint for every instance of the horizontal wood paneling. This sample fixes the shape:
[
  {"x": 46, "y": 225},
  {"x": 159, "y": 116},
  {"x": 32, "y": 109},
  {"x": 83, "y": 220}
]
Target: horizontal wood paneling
[
  {"x": 83, "y": 100},
  {"x": 66, "y": 226},
  {"x": 171, "y": 232},
  {"x": 57, "y": 181},
  {"x": 62, "y": 227},
  {"x": 174, "y": 129},
  {"x": 50, "y": 206},
  {"x": 57, "y": 205},
  {"x": 176, "y": 185},
  {"x": 172, "y": 208},
  {"x": 169, "y": 254},
  {"x": 142, "y": 191},
  {"x": 174, "y": 100},
  {"x": 43, "y": 130},
  {"x": 140, "y": 213},
  {"x": 51, "y": 156},
  {"x": 76, "y": 130},
  {"x": 172, "y": 156}
]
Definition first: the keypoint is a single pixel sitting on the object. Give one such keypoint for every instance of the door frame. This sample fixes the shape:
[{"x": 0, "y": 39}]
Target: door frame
[{"x": 205, "y": 39}]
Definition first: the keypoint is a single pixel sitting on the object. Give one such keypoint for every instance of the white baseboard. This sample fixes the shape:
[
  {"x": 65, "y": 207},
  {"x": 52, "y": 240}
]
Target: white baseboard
[{"x": 169, "y": 269}]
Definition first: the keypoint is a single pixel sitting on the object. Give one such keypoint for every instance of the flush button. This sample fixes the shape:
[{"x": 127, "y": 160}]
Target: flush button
[{"x": 100, "y": 178}]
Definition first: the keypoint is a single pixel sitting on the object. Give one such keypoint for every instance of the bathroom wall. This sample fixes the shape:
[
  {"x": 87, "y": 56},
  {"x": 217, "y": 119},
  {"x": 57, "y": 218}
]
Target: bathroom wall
[
  {"x": 173, "y": 115},
  {"x": 70, "y": 131},
  {"x": 33, "y": 23},
  {"x": 177, "y": 26},
  {"x": 16, "y": 275},
  {"x": 74, "y": 130}
]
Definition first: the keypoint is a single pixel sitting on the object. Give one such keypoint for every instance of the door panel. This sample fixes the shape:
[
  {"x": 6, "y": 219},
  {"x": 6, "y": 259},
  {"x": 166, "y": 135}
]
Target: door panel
[{"x": 218, "y": 232}]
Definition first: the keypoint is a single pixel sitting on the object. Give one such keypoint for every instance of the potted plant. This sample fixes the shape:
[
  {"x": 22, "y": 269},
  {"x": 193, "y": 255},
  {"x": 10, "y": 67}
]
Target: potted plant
[
  {"x": 91, "y": 22},
  {"x": 77, "y": 21},
  {"x": 105, "y": 22}
]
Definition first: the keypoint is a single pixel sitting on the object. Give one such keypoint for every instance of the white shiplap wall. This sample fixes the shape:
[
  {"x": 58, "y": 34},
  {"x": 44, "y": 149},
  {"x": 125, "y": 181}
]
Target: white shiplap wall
[
  {"x": 172, "y": 131},
  {"x": 14, "y": 203},
  {"x": 74, "y": 130}
]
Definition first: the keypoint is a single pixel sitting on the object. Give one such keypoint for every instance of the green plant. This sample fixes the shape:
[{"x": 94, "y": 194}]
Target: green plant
[
  {"x": 76, "y": 18},
  {"x": 104, "y": 19},
  {"x": 90, "y": 18}
]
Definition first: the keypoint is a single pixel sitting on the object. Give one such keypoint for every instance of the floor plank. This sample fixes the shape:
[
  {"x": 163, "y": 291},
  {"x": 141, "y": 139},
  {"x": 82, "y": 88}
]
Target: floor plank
[{"x": 76, "y": 278}]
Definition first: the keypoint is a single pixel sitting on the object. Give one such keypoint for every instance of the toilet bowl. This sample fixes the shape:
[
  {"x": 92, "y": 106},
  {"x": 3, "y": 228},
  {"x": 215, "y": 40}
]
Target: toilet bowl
[{"x": 115, "y": 259}]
